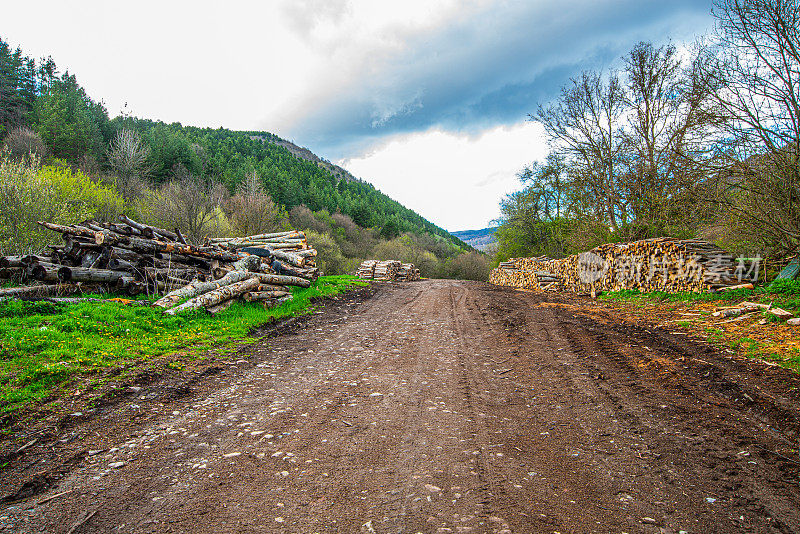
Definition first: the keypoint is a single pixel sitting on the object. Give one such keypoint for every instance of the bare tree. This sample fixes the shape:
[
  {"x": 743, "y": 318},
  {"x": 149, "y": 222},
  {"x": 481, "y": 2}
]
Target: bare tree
[
  {"x": 22, "y": 142},
  {"x": 585, "y": 127},
  {"x": 127, "y": 155},
  {"x": 758, "y": 61},
  {"x": 672, "y": 120},
  {"x": 252, "y": 211},
  {"x": 189, "y": 204}
]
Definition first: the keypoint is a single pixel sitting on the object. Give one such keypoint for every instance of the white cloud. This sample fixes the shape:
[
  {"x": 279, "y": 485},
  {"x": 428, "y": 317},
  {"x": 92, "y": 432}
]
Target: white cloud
[
  {"x": 454, "y": 180},
  {"x": 378, "y": 81}
]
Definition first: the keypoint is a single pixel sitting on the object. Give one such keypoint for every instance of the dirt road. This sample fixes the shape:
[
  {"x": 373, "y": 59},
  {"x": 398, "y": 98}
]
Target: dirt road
[{"x": 438, "y": 406}]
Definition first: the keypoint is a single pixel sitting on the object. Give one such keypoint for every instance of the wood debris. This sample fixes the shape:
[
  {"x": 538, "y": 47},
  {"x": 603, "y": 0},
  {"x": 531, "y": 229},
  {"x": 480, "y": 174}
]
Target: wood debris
[{"x": 133, "y": 258}]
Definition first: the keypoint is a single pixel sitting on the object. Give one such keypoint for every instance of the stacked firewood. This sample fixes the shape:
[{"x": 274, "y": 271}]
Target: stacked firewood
[
  {"x": 390, "y": 270},
  {"x": 407, "y": 273},
  {"x": 131, "y": 258},
  {"x": 366, "y": 271},
  {"x": 660, "y": 264},
  {"x": 386, "y": 270},
  {"x": 290, "y": 247}
]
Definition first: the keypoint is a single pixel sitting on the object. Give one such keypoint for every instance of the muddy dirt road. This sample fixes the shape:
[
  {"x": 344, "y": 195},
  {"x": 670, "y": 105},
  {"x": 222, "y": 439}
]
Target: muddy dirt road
[{"x": 439, "y": 406}]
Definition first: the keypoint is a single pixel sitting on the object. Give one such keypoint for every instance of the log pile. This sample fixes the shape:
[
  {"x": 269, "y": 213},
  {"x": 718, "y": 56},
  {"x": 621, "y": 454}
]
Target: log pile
[
  {"x": 408, "y": 273},
  {"x": 390, "y": 270},
  {"x": 386, "y": 270},
  {"x": 216, "y": 296},
  {"x": 659, "y": 264},
  {"x": 290, "y": 247},
  {"x": 366, "y": 271},
  {"x": 131, "y": 258}
]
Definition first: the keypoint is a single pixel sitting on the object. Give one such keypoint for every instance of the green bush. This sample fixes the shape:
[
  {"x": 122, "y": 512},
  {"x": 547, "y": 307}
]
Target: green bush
[
  {"x": 784, "y": 287},
  {"x": 53, "y": 193},
  {"x": 469, "y": 266},
  {"x": 329, "y": 256}
]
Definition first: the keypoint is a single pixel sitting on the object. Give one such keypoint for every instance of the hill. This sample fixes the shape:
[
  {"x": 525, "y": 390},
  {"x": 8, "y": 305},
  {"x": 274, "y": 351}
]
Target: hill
[
  {"x": 211, "y": 181},
  {"x": 483, "y": 240}
]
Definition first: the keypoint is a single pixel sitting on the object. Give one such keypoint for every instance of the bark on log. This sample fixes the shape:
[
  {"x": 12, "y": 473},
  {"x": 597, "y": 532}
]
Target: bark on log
[
  {"x": 29, "y": 291},
  {"x": 198, "y": 288},
  {"x": 152, "y": 246},
  {"x": 271, "y": 287},
  {"x": 282, "y": 280},
  {"x": 33, "y": 259},
  {"x": 293, "y": 258},
  {"x": 116, "y": 264},
  {"x": 10, "y": 272},
  {"x": 219, "y": 272},
  {"x": 254, "y": 296},
  {"x": 45, "y": 273},
  {"x": 248, "y": 263},
  {"x": 80, "y": 274},
  {"x": 71, "y": 230},
  {"x": 212, "y": 298},
  {"x": 221, "y": 307},
  {"x": 172, "y": 236},
  {"x": 10, "y": 261}
]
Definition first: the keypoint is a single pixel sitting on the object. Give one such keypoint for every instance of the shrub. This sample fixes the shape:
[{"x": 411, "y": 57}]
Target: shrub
[
  {"x": 54, "y": 193},
  {"x": 784, "y": 286},
  {"x": 405, "y": 249},
  {"x": 251, "y": 210},
  {"x": 329, "y": 256},
  {"x": 22, "y": 142},
  {"x": 189, "y": 204},
  {"x": 302, "y": 218},
  {"x": 469, "y": 266}
]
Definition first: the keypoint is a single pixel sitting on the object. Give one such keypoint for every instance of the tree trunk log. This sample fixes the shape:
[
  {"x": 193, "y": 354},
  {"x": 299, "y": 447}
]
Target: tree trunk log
[
  {"x": 80, "y": 274},
  {"x": 29, "y": 291},
  {"x": 282, "y": 280},
  {"x": 172, "y": 236},
  {"x": 212, "y": 298},
  {"x": 198, "y": 288},
  {"x": 221, "y": 307},
  {"x": 254, "y": 296}
]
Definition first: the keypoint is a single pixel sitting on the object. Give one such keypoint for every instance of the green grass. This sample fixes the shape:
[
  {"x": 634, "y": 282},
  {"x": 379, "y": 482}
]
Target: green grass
[
  {"x": 750, "y": 346},
  {"x": 782, "y": 296},
  {"x": 44, "y": 346}
]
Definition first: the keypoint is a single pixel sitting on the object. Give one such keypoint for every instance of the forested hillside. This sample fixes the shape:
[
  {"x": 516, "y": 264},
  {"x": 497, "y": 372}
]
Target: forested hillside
[
  {"x": 482, "y": 239},
  {"x": 208, "y": 181}
]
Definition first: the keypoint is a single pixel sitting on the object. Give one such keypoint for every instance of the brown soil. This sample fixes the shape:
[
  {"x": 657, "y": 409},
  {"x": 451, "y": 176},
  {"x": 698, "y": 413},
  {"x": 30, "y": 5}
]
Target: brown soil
[{"x": 436, "y": 406}]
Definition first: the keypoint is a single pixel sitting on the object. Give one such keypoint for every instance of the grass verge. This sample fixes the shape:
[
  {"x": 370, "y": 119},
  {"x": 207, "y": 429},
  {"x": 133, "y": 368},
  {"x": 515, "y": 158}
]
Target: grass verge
[
  {"x": 45, "y": 346},
  {"x": 772, "y": 341}
]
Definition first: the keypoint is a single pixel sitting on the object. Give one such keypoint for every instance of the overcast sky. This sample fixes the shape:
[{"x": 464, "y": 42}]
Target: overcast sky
[{"x": 427, "y": 100}]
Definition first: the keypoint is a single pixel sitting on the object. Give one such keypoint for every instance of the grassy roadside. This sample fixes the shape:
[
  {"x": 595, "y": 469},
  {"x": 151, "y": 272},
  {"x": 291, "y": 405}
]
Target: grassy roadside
[
  {"x": 756, "y": 335},
  {"x": 46, "y": 347}
]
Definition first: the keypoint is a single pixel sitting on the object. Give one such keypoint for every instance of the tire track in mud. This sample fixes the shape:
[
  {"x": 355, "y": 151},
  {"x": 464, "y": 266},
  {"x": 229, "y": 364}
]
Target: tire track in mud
[
  {"x": 496, "y": 412},
  {"x": 640, "y": 364}
]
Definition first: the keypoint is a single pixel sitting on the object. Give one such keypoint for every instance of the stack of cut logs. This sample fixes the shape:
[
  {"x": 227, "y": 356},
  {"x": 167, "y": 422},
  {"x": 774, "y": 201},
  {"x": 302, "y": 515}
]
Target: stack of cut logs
[
  {"x": 290, "y": 247},
  {"x": 659, "y": 264},
  {"x": 387, "y": 270},
  {"x": 366, "y": 271},
  {"x": 390, "y": 270},
  {"x": 408, "y": 273},
  {"x": 133, "y": 258}
]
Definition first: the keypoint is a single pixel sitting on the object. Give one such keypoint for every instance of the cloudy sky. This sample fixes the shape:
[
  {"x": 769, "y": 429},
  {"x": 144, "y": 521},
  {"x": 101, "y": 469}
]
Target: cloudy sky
[{"x": 427, "y": 100}]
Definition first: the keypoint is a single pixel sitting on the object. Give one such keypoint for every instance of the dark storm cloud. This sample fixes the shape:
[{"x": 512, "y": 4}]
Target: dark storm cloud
[{"x": 492, "y": 68}]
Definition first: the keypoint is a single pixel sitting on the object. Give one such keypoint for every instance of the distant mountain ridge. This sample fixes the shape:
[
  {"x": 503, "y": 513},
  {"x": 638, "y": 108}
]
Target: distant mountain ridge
[{"x": 483, "y": 239}]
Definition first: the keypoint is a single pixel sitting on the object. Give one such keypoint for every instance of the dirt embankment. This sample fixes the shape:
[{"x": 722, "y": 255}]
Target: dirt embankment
[{"x": 437, "y": 406}]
